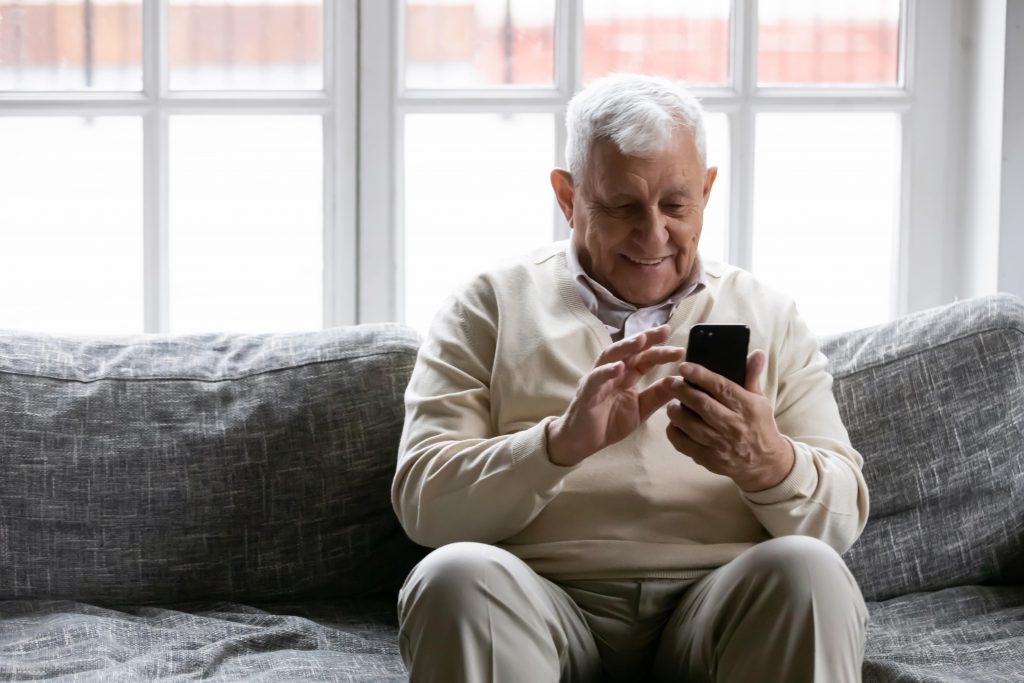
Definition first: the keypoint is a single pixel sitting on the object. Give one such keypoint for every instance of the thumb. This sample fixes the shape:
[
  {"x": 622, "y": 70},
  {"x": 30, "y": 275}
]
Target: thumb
[
  {"x": 755, "y": 364},
  {"x": 655, "y": 396}
]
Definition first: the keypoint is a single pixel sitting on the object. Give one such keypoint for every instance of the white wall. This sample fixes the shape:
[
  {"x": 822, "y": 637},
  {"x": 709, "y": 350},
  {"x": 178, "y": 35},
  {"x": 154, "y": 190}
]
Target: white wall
[
  {"x": 991, "y": 226},
  {"x": 1011, "y": 218},
  {"x": 984, "y": 53}
]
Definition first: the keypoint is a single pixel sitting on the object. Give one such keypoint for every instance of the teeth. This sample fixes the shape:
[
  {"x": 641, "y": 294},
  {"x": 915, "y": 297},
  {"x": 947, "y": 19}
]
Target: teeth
[{"x": 647, "y": 262}]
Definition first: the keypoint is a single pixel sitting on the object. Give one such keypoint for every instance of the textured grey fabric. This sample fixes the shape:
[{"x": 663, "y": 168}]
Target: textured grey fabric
[
  {"x": 970, "y": 633},
  {"x": 935, "y": 404},
  {"x": 346, "y": 640},
  {"x": 170, "y": 469},
  {"x": 156, "y": 469}
]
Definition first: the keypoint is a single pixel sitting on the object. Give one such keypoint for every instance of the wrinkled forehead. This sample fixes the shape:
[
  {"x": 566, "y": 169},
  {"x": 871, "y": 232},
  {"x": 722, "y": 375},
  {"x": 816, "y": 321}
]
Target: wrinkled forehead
[{"x": 675, "y": 166}]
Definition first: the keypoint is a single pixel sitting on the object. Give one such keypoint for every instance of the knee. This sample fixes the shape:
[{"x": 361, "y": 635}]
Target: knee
[
  {"x": 449, "y": 575},
  {"x": 803, "y": 566},
  {"x": 797, "y": 556}
]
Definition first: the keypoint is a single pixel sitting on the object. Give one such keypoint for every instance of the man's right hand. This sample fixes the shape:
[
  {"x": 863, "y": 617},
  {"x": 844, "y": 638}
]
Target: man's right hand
[{"x": 607, "y": 408}]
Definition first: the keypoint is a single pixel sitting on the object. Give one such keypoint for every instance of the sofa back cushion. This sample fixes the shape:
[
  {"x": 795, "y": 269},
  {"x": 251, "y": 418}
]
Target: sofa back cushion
[
  {"x": 171, "y": 468},
  {"x": 935, "y": 404}
]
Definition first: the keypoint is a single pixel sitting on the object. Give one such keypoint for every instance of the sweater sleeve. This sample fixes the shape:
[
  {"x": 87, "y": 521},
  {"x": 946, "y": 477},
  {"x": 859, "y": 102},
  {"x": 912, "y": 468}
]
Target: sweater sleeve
[
  {"x": 457, "y": 480},
  {"x": 824, "y": 495}
]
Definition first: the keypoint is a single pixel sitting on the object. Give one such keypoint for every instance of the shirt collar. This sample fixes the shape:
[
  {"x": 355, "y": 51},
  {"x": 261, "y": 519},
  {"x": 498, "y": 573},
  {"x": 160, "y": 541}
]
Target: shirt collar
[{"x": 597, "y": 297}]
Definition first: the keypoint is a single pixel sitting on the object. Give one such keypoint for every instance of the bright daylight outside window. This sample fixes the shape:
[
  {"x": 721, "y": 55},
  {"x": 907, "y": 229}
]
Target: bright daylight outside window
[
  {"x": 190, "y": 190},
  {"x": 238, "y": 245},
  {"x": 483, "y": 96}
]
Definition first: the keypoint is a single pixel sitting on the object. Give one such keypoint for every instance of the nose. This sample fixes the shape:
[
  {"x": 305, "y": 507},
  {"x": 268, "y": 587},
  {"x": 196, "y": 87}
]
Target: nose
[{"x": 652, "y": 229}]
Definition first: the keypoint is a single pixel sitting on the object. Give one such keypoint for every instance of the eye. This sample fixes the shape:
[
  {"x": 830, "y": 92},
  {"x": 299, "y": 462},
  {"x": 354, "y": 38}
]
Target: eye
[
  {"x": 674, "y": 208},
  {"x": 622, "y": 209}
]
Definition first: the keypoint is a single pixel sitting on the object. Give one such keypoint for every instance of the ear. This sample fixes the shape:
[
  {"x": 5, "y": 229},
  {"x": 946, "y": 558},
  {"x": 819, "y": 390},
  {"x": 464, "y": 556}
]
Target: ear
[
  {"x": 709, "y": 180},
  {"x": 565, "y": 193}
]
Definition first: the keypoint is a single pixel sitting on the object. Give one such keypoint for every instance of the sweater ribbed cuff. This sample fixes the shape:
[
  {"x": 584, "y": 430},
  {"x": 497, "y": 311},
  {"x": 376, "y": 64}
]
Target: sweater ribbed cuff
[
  {"x": 801, "y": 480},
  {"x": 531, "y": 460}
]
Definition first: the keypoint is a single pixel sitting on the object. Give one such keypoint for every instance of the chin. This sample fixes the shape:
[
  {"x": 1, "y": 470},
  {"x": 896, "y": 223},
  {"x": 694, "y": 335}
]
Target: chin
[{"x": 647, "y": 297}]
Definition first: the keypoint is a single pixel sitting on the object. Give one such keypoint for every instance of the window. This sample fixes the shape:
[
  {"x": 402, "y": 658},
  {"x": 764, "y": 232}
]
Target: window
[
  {"x": 173, "y": 166},
  {"x": 179, "y": 166},
  {"x": 805, "y": 105}
]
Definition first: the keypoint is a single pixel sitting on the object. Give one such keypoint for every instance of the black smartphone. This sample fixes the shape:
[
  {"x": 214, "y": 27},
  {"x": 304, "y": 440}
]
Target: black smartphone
[{"x": 721, "y": 349}]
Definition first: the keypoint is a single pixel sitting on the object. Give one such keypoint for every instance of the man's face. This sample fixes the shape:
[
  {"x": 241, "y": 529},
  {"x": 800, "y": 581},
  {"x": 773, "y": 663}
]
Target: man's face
[{"x": 636, "y": 221}]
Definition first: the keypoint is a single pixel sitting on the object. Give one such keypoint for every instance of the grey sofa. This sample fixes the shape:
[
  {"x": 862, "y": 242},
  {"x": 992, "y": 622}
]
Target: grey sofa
[{"x": 180, "y": 508}]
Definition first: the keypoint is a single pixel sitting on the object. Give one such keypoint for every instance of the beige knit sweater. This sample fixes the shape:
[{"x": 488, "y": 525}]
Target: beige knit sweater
[{"x": 503, "y": 357}]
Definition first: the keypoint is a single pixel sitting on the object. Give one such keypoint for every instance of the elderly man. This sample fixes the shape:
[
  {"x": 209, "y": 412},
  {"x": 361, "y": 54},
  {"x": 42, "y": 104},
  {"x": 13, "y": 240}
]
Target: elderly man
[{"x": 582, "y": 533}]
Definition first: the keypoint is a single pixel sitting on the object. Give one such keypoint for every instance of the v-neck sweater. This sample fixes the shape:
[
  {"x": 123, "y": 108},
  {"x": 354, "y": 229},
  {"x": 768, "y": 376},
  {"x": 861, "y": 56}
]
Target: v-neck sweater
[{"x": 503, "y": 357}]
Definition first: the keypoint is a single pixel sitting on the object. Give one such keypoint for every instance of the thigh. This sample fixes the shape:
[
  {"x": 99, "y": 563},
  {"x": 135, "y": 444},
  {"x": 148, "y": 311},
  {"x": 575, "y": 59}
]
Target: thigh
[
  {"x": 521, "y": 622},
  {"x": 780, "y": 611}
]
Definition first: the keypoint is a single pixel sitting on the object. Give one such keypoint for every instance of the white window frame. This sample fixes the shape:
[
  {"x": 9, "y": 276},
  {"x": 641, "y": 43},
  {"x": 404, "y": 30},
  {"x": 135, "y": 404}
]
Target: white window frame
[
  {"x": 156, "y": 103},
  {"x": 927, "y": 268},
  {"x": 361, "y": 105}
]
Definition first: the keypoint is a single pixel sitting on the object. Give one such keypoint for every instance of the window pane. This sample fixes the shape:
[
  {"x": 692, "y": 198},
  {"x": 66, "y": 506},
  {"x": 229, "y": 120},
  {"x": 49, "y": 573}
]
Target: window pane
[
  {"x": 71, "y": 224},
  {"x": 246, "y": 45},
  {"x": 825, "y": 213},
  {"x": 478, "y": 43},
  {"x": 476, "y": 191},
  {"x": 246, "y": 223},
  {"x": 828, "y": 43},
  {"x": 687, "y": 41},
  {"x": 714, "y": 236},
  {"x": 71, "y": 45}
]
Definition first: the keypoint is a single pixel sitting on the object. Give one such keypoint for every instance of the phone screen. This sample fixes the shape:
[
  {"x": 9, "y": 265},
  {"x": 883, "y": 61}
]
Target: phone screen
[{"x": 721, "y": 349}]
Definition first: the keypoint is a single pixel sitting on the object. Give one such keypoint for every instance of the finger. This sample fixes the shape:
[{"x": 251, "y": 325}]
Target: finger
[
  {"x": 689, "y": 423},
  {"x": 685, "y": 445},
  {"x": 659, "y": 334},
  {"x": 755, "y": 364},
  {"x": 677, "y": 413},
  {"x": 658, "y": 355},
  {"x": 621, "y": 350},
  {"x": 704, "y": 457},
  {"x": 601, "y": 381},
  {"x": 721, "y": 388},
  {"x": 704, "y": 405}
]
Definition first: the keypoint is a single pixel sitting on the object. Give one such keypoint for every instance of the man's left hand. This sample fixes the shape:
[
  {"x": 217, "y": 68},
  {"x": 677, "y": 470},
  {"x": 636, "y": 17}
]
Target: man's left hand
[{"x": 727, "y": 428}]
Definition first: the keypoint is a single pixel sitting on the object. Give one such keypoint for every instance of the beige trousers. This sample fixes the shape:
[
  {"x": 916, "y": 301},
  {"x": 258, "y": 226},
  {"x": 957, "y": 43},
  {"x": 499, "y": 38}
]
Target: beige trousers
[{"x": 787, "y": 609}]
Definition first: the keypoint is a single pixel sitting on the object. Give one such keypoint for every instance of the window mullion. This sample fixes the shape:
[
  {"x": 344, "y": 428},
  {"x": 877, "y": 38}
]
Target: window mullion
[
  {"x": 380, "y": 163},
  {"x": 568, "y": 79},
  {"x": 574, "y": 33},
  {"x": 156, "y": 308},
  {"x": 340, "y": 164},
  {"x": 899, "y": 296},
  {"x": 741, "y": 132}
]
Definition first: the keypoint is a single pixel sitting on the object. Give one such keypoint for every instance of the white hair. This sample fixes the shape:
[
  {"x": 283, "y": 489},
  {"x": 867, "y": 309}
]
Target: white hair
[{"x": 638, "y": 113}]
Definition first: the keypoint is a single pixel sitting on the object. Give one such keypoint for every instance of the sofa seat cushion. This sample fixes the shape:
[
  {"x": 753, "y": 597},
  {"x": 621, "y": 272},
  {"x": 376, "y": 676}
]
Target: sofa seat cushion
[
  {"x": 956, "y": 634},
  {"x": 968, "y": 633},
  {"x": 338, "y": 640}
]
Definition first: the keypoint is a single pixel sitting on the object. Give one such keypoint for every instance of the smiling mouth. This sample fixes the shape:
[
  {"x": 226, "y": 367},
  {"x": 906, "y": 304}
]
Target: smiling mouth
[{"x": 645, "y": 261}]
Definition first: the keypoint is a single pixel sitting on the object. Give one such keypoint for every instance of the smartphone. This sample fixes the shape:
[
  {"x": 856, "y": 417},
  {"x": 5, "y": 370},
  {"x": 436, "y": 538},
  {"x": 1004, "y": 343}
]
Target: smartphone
[{"x": 721, "y": 349}]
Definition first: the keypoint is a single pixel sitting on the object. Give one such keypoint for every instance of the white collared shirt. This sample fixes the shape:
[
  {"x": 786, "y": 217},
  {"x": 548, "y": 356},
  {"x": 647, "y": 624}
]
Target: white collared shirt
[{"x": 623, "y": 319}]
